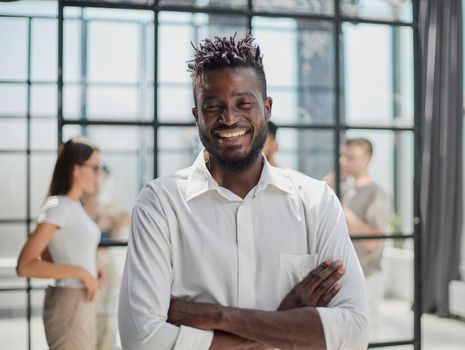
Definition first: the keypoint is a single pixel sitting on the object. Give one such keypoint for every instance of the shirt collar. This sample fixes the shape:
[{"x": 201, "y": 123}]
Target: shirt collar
[
  {"x": 273, "y": 176},
  {"x": 200, "y": 180}
]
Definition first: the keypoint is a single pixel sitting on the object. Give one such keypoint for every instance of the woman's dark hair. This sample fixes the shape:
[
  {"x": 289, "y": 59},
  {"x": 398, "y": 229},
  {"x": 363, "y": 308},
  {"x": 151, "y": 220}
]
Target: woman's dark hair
[{"x": 73, "y": 152}]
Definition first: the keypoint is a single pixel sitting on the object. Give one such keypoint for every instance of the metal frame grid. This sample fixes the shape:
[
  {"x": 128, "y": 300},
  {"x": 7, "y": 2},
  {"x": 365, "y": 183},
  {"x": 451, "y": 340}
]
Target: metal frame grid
[{"x": 337, "y": 20}]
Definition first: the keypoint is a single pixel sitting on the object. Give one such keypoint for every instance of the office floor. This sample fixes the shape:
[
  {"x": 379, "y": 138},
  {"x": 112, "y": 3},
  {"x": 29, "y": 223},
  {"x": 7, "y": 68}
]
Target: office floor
[
  {"x": 437, "y": 333},
  {"x": 443, "y": 334}
]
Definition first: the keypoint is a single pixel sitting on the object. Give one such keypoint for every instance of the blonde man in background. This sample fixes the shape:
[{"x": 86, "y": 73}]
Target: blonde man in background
[{"x": 368, "y": 211}]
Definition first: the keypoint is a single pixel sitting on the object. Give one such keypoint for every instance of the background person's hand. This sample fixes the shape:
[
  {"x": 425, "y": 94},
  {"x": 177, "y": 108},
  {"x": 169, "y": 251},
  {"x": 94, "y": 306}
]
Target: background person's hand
[
  {"x": 90, "y": 283},
  {"x": 317, "y": 289}
]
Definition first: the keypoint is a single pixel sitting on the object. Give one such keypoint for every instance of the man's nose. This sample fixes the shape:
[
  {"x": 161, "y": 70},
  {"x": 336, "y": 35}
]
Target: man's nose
[{"x": 229, "y": 116}]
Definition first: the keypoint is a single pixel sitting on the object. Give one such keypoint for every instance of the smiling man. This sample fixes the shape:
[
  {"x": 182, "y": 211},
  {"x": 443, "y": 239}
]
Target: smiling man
[{"x": 232, "y": 253}]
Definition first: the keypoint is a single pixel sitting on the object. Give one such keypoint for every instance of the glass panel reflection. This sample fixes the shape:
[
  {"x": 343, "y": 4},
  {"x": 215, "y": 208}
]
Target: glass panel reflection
[
  {"x": 113, "y": 52},
  {"x": 44, "y": 134},
  {"x": 13, "y": 60},
  {"x": 175, "y": 103},
  {"x": 44, "y": 100},
  {"x": 377, "y": 75},
  {"x": 114, "y": 103},
  {"x": 187, "y": 28},
  {"x": 12, "y": 188},
  {"x": 301, "y": 78},
  {"x": 12, "y": 238},
  {"x": 44, "y": 50},
  {"x": 73, "y": 101},
  {"x": 378, "y": 9},
  {"x": 308, "y": 151},
  {"x": 30, "y": 8},
  {"x": 13, "y": 100},
  {"x": 232, "y": 4},
  {"x": 307, "y": 6},
  {"x": 13, "y": 134},
  {"x": 108, "y": 64},
  {"x": 72, "y": 31},
  {"x": 133, "y": 2},
  {"x": 178, "y": 148},
  {"x": 13, "y": 325}
]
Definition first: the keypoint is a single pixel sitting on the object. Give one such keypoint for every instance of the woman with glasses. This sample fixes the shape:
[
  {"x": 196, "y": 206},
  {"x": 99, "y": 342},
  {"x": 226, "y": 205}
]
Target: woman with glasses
[{"x": 63, "y": 247}]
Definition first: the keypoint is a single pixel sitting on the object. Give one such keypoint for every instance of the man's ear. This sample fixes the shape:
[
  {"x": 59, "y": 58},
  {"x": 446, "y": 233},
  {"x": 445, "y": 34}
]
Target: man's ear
[
  {"x": 268, "y": 104},
  {"x": 195, "y": 114}
]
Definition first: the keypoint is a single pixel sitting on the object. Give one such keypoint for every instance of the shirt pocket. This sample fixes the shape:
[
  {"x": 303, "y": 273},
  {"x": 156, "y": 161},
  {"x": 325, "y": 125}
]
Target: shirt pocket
[{"x": 292, "y": 269}]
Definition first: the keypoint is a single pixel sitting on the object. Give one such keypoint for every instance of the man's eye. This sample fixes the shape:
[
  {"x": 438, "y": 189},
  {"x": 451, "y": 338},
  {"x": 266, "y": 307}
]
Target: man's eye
[
  {"x": 244, "y": 104},
  {"x": 212, "y": 108}
]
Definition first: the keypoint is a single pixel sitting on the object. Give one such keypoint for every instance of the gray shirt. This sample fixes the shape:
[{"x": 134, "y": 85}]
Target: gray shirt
[{"x": 374, "y": 207}]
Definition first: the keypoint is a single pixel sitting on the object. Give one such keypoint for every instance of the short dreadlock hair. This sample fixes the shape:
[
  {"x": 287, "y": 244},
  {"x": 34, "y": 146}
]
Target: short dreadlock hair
[{"x": 222, "y": 52}]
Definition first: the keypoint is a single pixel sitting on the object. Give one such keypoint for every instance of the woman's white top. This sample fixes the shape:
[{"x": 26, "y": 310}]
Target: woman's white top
[{"x": 77, "y": 238}]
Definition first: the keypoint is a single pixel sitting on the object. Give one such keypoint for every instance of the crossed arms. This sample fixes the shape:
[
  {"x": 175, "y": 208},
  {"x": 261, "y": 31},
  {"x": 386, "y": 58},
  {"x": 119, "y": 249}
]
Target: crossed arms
[{"x": 295, "y": 325}]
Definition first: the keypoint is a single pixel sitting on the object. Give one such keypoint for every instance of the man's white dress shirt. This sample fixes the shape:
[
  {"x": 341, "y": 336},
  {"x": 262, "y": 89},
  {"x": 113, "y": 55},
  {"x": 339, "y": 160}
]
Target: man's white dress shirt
[{"x": 194, "y": 240}]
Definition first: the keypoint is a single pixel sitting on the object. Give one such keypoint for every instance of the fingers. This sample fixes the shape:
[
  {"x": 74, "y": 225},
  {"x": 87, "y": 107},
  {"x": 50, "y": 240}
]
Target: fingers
[
  {"x": 317, "y": 288},
  {"x": 320, "y": 284},
  {"x": 329, "y": 295},
  {"x": 91, "y": 287},
  {"x": 321, "y": 273},
  {"x": 325, "y": 290}
]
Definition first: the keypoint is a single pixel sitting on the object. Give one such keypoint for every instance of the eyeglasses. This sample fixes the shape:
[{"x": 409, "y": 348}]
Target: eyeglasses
[{"x": 99, "y": 168}]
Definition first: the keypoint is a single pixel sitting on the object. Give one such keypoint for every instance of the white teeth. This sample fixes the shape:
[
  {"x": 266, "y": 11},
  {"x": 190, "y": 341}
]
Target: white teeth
[{"x": 229, "y": 134}]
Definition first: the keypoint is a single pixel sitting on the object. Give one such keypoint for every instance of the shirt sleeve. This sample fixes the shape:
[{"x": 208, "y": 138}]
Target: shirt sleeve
[
  {"x": 53, "y": 212},
  {"x": 345, "y": 318},
  {"x": 146, "y": 288}
]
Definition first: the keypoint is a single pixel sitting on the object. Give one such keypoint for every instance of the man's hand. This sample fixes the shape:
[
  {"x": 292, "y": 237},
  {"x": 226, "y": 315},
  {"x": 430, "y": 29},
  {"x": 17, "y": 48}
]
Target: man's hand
[{"x": 317, "y": 288}]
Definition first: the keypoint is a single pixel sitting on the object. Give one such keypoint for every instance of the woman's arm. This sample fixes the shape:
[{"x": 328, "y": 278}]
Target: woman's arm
[
  {"x": 31, "y": 264},
  {"x": 46, "y": 256}
]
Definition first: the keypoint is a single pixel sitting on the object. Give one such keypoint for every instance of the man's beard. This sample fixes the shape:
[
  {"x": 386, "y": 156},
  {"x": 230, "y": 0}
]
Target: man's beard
[{"x": 236, "y": 165}]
